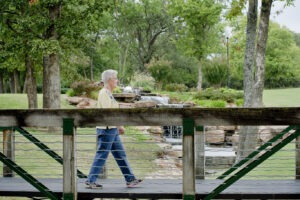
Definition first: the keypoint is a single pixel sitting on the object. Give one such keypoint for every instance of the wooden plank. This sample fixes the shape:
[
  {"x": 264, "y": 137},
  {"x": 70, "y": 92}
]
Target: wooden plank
[
  {"x": 297, "y": 175},
  {"x": 188, "y": 162},
  {"x": 160, "y": 189},
  {"x": 69, "y": 161},
  {"x": 8, "y": 150},
  {"x": 151, "y": 116},
  {"x": 200, "y": 154}
]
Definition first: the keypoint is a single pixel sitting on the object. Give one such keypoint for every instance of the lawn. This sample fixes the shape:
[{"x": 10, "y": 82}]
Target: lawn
[{"x": 282, "y": 97}]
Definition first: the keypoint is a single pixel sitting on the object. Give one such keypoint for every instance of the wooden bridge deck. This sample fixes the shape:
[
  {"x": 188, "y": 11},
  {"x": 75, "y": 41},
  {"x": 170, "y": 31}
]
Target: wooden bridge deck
[{"x": 160, "y": 189}]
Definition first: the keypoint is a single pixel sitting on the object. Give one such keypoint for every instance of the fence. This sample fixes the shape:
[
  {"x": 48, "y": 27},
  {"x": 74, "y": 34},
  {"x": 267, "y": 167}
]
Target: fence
[{"x": 77, "y": 145}]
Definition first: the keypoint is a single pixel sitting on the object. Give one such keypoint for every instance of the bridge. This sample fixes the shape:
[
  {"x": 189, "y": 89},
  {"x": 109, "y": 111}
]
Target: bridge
[{"x": 63, "y": 157}]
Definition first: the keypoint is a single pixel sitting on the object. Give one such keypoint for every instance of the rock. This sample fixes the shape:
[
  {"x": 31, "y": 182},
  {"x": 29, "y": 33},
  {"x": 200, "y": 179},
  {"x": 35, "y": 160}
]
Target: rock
[
  {"x": 87, "y": 103},
  {"x": 215, "y": 137},
  {"x": 155, "y": 130},
  {"x": 227, "y": 128},
  {"x": 145, "y": 104},
  {"x": 74, "y": 100}
]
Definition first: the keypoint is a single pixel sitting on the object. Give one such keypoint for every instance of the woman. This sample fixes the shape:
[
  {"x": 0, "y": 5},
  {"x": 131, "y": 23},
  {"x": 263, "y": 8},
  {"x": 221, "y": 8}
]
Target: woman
[{"x": 108, "y": 137}]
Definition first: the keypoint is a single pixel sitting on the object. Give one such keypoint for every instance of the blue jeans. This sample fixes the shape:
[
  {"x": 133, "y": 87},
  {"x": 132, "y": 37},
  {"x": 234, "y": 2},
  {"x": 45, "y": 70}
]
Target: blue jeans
[{"x": 109, "y": 140}]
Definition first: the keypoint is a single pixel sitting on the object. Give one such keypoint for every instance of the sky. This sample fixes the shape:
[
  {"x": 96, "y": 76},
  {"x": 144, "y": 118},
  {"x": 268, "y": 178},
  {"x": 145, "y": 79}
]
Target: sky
[{"x": 289, "y": 16}]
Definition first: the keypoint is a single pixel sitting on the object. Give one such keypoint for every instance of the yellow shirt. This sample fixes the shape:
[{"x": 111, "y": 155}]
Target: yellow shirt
[{"x": 106, "y": 100}]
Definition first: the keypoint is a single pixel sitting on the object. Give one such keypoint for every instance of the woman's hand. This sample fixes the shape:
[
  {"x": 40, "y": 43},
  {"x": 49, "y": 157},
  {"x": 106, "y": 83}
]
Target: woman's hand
[{"x": 121, "y": 130}]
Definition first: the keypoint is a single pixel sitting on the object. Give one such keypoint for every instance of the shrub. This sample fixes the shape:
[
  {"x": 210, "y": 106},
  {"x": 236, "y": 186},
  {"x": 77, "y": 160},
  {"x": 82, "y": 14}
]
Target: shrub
[
  {"x": 215, "y": 72},
  {"x": 225, "y": 94},
  {"x": 70, "y": 93},
  {"x": 85, "y": 88},
  {"x": 211, "y": 103},
  {"x": 143, "y": 80},
  {"x": 239, "y": 102},
  {"x": 175, "y": 87}
]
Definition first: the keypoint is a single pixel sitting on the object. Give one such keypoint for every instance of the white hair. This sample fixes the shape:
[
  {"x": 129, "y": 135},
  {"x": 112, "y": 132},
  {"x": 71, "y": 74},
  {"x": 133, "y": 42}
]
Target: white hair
[{"x": 108, "y": 74}]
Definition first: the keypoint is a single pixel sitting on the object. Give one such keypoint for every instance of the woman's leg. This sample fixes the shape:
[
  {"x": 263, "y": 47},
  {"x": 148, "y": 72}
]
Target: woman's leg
[
  {"x": 105, "y": 141},
  {"x": 119, "y": 154}
]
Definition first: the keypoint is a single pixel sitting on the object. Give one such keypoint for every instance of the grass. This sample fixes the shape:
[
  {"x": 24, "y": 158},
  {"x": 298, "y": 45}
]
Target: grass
[
  {"x": 282, "y": 97},
  {"x": 19, "y": 101}
]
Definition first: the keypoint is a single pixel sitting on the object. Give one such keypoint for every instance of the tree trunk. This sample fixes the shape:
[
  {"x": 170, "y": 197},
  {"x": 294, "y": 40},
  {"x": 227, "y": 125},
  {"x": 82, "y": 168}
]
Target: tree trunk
[
  {"x": 261, "y": 52},
  {"x": 51, "y": 82},
  {"x": 250, "y": 52},
  {"x": 30, "y": 84},
  {"x": 1, "y": 83},
  {"x": 199, "y": 84},
  {"x": 12, "y": 83},
  {"x": 17, "y": 86},
  {"x": 247, "y": 135},
  {"x": 51, "y": 70}
]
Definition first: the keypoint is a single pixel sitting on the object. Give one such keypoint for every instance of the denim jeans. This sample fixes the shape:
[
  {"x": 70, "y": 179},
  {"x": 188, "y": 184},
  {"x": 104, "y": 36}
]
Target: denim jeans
[{"x": 109, "y": 141}]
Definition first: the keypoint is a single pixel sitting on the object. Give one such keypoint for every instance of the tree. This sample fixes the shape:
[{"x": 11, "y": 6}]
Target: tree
[
  {"x": 254, "y": 68},
  {"x": 198, "y": 30},
  {"x": 51, "y": 28},
  {"x": 138, "y": 27}
]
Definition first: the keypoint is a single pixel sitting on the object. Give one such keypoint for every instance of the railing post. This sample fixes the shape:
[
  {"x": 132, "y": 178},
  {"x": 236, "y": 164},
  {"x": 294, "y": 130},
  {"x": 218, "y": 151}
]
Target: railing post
[
  {"x": 8, "y": 150},
  {"x": 297, "y": 175},
  {"x": 188, "y": 161},
  {"x": 69, "y": 160},
  {"x": 200, "y": 152}
]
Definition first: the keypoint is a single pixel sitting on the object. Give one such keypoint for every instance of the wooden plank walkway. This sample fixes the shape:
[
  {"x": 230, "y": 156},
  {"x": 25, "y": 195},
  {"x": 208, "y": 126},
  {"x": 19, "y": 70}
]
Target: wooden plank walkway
[{"x": 160, "y": 189}]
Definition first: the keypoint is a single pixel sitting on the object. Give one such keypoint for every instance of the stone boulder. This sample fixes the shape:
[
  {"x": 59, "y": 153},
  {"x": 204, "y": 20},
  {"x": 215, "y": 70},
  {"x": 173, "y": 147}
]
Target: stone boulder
[{"x": 215, "y": 136}]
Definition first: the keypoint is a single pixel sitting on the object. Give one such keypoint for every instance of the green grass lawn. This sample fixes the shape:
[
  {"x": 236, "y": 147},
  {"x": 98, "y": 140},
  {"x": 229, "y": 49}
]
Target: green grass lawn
[
  {"x": 282, "y": 97},
  {"x": 19, "y": 101}
]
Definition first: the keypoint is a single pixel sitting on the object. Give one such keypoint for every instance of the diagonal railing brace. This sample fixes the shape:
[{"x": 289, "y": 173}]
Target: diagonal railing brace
[{"x": 30, "y": 179}]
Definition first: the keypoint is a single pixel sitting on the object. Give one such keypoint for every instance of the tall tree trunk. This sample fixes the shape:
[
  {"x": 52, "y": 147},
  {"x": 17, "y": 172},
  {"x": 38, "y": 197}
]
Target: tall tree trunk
[
  {"x": 1, "y": 83},
  {"x": 250, "y": 52},
  {"x": 12, "y": 83},
  {"x": 247, "y": 135},
  {"x": 51, "y": 70},
  {"x": 200, "y": 75},
  {"x": 17, "y": 81},
  {"x": 30, "y": 84},
  {"x": 261, "y": 52}
]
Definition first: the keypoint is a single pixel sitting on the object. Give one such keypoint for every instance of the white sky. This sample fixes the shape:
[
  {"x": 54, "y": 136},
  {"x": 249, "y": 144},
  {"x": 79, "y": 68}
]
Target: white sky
[{"x": 289, "y": 16}]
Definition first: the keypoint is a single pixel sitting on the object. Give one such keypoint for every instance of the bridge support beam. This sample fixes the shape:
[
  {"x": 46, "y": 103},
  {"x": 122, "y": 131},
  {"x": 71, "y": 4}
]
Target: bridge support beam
[
  {"x": 69, "y": 160},
  {"x": 200, "y": 152},
  {"x": 188, "y": 161},
  {"x": 8, "y": 150},
  {"x": 297, "y": 175}
]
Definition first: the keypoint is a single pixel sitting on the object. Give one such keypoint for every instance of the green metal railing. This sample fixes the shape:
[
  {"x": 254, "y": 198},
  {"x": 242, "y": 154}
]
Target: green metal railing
[
  {"x": 245, "y": 168},
  {"x": 26, "y": 176}
]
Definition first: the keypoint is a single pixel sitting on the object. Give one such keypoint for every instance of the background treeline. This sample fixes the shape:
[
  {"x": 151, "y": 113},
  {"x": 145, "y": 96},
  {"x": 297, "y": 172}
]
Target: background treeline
[{"x": 152, "y": 43}]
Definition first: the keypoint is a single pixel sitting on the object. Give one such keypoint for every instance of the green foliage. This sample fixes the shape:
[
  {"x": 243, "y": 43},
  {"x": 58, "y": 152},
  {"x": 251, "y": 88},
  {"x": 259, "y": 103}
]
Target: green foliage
[
  {"x": 71, "y": 93},
  {"x": 175, "y": 87},
  {"x": 211, "y": 103},
  {"x": 239, "y": 102},
  {"x": 282, "y": 56},
  {"x": 228, "y": 95},
  {"x": 85, "y": 88},
  {"x": 160, "y": 71},
  {"x": 142, "y": 80},
  {"x": 215, "y": 72}
]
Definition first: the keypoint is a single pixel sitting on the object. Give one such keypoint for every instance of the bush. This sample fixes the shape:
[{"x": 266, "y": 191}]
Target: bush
[
  {"x": 70, "y": 93},
  {"x": 228, "y": 95},
  {"x": 175, "y": 87},
  {"x": 143, "y": 80},
  {"x": 211, "y": 103},
  {"x": 85, "y": 88},
  {"x": 216, "y": 72}
]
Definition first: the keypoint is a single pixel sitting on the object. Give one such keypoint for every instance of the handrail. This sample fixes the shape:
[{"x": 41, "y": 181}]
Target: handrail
[
  {"x": 190, "y": 118},
  {"x": 151, "y": 116}
]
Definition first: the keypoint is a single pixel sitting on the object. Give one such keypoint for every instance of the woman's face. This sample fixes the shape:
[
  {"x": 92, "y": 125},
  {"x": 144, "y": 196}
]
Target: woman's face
[{"x": 113, "y": 82}]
